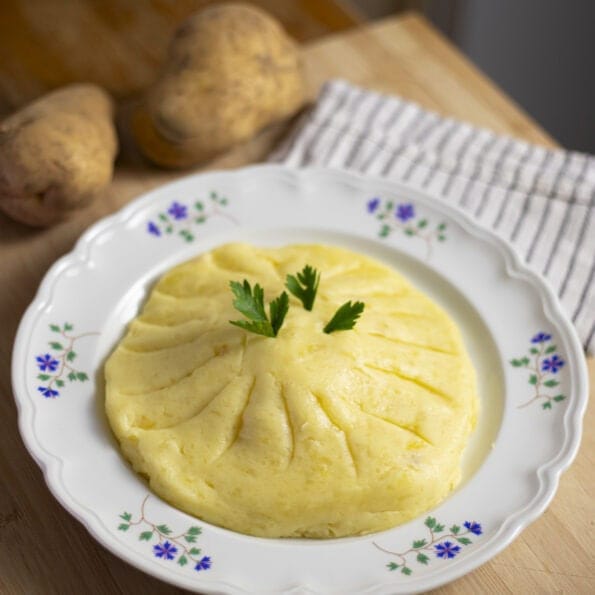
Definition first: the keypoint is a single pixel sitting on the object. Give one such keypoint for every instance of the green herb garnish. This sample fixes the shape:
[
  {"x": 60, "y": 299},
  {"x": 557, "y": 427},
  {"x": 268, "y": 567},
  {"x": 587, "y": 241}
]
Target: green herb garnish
[
  {"x": 345, "y": 317},
  {"x": 251, "y": 305},
  {"x": 305, "y": 286}
]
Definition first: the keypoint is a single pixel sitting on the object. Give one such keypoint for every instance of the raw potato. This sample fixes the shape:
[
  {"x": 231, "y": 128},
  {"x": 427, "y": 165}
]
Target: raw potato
[
  {"x": 56, "y": 154},
  {"x": 231, "y": 71}
]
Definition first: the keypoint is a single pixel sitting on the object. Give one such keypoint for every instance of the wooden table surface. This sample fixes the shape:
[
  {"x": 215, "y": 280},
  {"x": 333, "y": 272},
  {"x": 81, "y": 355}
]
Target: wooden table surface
[{"x": 43, "y": 550}]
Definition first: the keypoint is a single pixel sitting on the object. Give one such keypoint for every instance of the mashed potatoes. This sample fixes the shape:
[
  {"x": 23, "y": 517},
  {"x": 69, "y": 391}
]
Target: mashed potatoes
[{"x": 307, "y": 434}]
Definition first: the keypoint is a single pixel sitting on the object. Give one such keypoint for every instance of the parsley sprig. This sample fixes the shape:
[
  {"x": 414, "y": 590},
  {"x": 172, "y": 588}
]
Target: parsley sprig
[
  {"x": 251, "y": 304},
  {"x": 345, "y": 317},
  {"x": 304, "y": 286}
]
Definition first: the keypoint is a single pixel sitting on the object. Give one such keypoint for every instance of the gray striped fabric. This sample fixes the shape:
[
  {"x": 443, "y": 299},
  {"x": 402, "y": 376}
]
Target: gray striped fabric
[{"x": 541, "y": 200}]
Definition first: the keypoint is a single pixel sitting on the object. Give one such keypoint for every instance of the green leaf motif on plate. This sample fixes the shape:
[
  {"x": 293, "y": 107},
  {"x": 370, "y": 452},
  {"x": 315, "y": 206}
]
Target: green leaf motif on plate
[
  {"x": 404, "y": 218},
  {"x": 166, "y": 545},
  {"x": 56, "y": 367},
  {"x": 437, "y": 545},
  {"x": 544, "y": 366},
  {"x": 181, "y": 218}
]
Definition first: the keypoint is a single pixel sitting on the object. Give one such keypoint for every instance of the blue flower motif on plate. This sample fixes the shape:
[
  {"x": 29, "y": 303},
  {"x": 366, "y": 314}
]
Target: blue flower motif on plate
[
  {"x": 165, "y": 550},
  {"x": 58, "y": 368},
  {"x": 373, "y": 205},
  {"x": 444, "y": 543},
  {"x": 178, "y": 211},
  {"x": 403, "y": 218},
  {"x": 473, "y": 527},
  {"x": 404, "y": 212},
  {"x": 552, "y": 364},
  {"x": 47, "y": 363},
  {"x": 543, "y": 365},
  {"x": 541, "y": 338},
  {"x": 47, "y": 392},
  {"x": 153, "y": 229},
  {"x": 447, "y": 549},
  {"x": 203, "y": 564},
  {"x": 181, "y": 219},
  {"x": 169, "y": 546}
]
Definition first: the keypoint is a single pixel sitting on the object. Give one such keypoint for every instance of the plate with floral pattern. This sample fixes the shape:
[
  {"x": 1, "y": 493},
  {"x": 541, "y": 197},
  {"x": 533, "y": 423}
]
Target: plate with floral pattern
[{"x": 529, "y": 362}]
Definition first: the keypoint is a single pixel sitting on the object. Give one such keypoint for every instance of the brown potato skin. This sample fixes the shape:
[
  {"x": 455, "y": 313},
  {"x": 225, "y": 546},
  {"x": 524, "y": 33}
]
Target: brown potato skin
[
  {"x": 56, "y": 153},
  {"x": 231, "y": 70}
]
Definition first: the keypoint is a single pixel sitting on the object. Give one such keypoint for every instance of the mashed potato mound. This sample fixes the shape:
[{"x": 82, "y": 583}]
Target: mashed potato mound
[{"x": 303, "y": 435}]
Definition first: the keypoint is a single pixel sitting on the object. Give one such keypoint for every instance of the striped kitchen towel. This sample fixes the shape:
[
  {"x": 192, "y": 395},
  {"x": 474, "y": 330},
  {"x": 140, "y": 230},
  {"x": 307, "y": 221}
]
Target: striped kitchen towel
[{"x": 541, "y": 200}]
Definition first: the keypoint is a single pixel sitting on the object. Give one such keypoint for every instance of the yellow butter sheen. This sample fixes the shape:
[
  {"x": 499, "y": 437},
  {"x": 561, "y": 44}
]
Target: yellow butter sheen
[{"x": 303, "y": 435}]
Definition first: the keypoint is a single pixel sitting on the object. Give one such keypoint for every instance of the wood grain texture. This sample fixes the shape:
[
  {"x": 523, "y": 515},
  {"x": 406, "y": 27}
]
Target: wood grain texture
[{"x": 43, "y": 550}]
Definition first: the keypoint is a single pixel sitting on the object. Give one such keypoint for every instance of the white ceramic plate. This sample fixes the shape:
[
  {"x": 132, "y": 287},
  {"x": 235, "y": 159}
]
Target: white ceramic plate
[{"x": 531, "y": 369}]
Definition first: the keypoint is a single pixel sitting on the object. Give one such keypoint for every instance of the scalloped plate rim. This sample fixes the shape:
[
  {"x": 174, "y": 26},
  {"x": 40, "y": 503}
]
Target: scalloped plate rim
[{"x": 549, "y": 473}]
